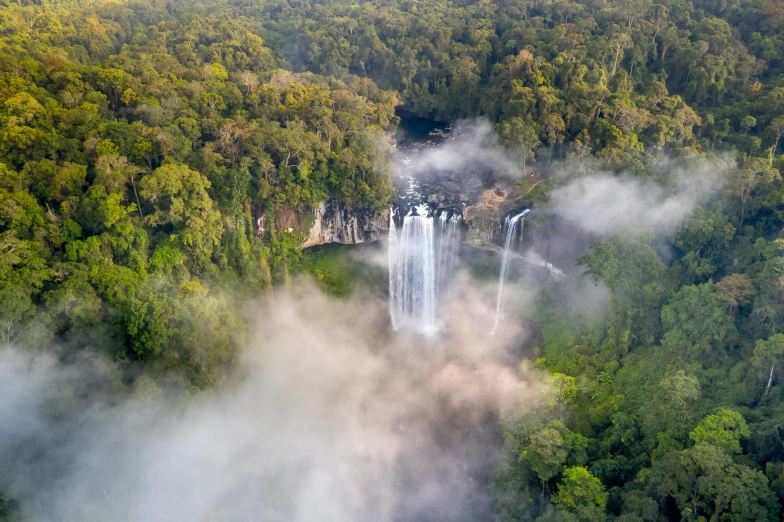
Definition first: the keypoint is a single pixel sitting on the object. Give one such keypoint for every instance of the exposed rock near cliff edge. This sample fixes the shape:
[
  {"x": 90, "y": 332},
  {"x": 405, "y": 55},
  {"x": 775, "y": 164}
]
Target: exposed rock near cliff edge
[
  {"x": 483, "y": 219},
  {"x": 330, "y": 222},
  {"x": 335, "y": 224}
]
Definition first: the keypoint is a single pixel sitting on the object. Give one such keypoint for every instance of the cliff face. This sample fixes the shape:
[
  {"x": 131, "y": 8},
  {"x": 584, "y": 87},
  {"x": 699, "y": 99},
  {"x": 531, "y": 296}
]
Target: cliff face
[
  {"x": 335, "y": 224},
  {"x": 330, "y": 222}
]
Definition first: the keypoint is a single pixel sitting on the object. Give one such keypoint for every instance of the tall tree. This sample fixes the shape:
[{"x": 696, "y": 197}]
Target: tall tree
[{"x": 766, "y": 354}]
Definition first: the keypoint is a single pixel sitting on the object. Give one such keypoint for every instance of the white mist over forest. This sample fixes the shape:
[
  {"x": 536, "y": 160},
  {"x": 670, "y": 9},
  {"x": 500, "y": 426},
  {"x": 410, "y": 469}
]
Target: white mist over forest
[{"x": 333, "y": 420}]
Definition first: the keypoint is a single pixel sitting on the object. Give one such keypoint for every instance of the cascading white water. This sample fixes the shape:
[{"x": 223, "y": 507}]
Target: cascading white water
[
  {"x": 413, "y": 272},
  {"x": 421, "y": 259},
  {"x": 393, "y": 275},
  {"x": 446, "y": 250},
  {"x": 511, "y": 225}
]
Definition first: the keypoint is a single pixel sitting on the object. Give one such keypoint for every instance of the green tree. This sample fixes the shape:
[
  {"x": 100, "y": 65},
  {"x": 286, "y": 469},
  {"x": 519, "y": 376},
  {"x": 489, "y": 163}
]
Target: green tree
[
  {"x": 696, "y": 323},
  {"x": 747, "y": 123},
  {"x": 179, "y": 197},
  {"x": 633, "y": 273},
  {"x": 744, "y": 180},
  {"x": 723, "y": 429},
  {"x": 546, "y": 453},
  {"x": 521, "y": 137},
  {"x": 736, "y": 289},
  {"x": 148, "y": 323},
  {"x": 706, "y": 484},
  {"x": 114, "y": 172},
  {"x": 667, "y": 416},
  {"x": 581, "y": 496},
  {"x": 777, "y": 128}
]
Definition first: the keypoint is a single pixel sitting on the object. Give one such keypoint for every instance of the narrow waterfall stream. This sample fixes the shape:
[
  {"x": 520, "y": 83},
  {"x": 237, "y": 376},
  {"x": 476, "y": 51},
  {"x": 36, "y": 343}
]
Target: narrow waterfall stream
[
  {"x": 449, "y": 237},
  {"x": 511, "y": 225}
]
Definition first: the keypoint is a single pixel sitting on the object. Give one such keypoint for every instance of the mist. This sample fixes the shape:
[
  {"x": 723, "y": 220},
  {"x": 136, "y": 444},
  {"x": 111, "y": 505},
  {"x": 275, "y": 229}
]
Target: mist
[
  {"x": 605, "y": 204},
  {"x": 334, "y": 418},
  {"x": 473, "y": 144},
  {"x": 596, "y": 201}
]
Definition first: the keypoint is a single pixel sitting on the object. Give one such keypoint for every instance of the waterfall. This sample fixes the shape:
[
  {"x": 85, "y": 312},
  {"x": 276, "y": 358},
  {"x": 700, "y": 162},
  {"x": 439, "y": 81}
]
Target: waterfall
[
  {"x": 510, "y": 224},
  {"x": 421, "y": 260},
  {"x": 392, "y": 250},
  {"x": 449, "y": 236}
]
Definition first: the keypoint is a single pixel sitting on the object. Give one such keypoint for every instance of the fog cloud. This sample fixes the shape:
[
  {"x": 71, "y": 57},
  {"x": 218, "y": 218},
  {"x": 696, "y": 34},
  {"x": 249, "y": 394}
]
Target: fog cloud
[
  {"x": 605, "y": 203},
  {"x": 335, "y": 419},
  {"x": 597, "y": 201},
  {"x": 473, "y": 144}
]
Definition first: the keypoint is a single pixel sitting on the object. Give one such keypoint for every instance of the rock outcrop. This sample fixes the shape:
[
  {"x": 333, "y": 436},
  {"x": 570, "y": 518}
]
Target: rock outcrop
[
  {"x": 329, "y": 222},
  {"x": 483, "y": 220},
  {"x": 335, "y": 224}
]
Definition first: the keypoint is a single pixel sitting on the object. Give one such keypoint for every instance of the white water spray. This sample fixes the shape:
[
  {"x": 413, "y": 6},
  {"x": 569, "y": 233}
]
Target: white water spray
[
  {"x": 421, "y": 260},
  {"x": 511, "y": 225}
]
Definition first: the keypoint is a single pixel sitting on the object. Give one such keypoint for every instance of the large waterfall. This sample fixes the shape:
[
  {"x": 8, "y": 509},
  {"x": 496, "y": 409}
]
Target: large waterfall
[
  {"x": 511, "y": 225},
  {"x": 421, "y": 260}
]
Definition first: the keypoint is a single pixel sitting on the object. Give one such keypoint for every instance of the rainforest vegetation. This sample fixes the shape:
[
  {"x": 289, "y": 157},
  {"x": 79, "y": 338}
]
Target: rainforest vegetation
[{"x": 140, "y": 143}]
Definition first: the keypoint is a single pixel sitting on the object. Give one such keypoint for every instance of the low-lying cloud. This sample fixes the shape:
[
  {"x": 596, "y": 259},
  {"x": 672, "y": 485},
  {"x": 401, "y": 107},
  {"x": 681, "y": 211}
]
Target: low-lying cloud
[
  {"x": 335, "y": 419},
  {"x": 597, "y": 201},
  {"x": 473, "y": 144},
  {"x": 605, "y": 204}
]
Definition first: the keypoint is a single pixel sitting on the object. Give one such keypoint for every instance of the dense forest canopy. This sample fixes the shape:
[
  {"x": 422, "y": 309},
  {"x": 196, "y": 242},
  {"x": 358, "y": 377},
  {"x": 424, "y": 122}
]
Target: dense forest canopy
[
  {"x": 135, "y": 146},
  {"x": 140, "y": 142}
]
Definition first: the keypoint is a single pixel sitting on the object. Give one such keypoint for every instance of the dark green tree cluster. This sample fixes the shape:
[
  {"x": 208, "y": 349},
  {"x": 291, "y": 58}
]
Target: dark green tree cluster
[
  {"x": 613, "y": 78},
  {"x": 670, "y": 408},
  {"x": 139, "y": 147}
]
